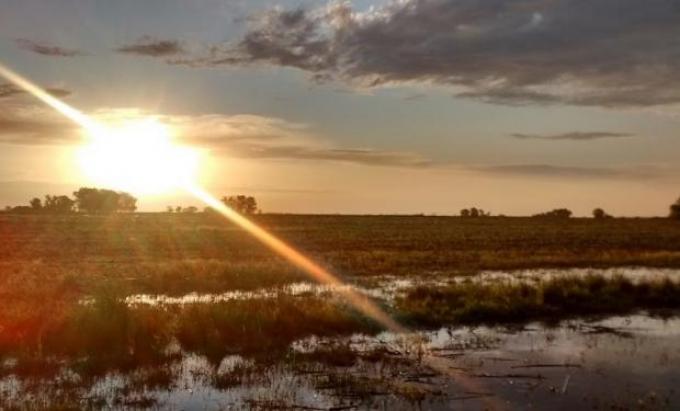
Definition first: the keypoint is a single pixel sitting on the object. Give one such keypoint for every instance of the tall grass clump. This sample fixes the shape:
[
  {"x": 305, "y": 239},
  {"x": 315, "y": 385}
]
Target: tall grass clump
[{"x": 554, "y": 299}]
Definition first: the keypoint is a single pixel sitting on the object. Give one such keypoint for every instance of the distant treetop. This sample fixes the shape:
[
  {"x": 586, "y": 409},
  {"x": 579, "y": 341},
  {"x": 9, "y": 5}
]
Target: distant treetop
[
  {"x": 556, "y": 213},
  {"x": 103, "y": 201},
  {"x": 675, "y": 210}
]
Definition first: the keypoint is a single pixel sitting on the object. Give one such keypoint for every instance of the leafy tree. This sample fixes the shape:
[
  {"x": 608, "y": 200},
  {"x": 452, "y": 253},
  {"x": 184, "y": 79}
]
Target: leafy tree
[
  {"x": 169, "y": 209},
  {"x": 474, "y": 212},
  {"x": 558, "y": 213},
  {"x": 675, "y": 210},
  {"x": 58, "y": 204},
  {"x": 241, "y": 204},
  {"x": 190, "y": 210},
  {"x": 36, "y": 204},
  {"x": 103, "y": 201},
  {"x": 127, "y": 203},
  {"x": 600, "y": 214}
]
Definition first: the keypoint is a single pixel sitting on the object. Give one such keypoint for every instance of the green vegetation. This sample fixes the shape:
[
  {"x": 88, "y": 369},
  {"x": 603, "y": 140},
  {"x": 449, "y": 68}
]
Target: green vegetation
[{"x": 551, "y": 300}]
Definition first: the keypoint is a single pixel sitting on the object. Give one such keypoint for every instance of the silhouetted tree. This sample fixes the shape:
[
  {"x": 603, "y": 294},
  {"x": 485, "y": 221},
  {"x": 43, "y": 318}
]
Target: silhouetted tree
[
  {"x": 178, "y": 209},
  {"x": 241, "y": 204},
  {"x": 102, "y": 201},
  {"x": 600, "y": 214},
  {"x": 36, "y": 204},
  {"x": 190, "y": 210},
  {"x": 675, "y": 210},
  {"x": 58, "y": 204},
  {"x": 474, "y": 212},
  {"x": 127, "y": 203},
  {"x": 558, "y": 213},
  {"x": 169, "y": 209}
]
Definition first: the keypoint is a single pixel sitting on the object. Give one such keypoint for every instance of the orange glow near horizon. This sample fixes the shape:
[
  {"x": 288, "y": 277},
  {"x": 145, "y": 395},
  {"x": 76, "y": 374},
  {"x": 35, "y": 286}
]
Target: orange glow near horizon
[
  {"x": 113, "y": 152},
  {"x": 99, "y": 132}
]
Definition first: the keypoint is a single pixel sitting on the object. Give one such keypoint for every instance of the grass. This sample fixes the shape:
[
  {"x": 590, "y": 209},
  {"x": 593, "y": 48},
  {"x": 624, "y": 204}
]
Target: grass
[
  {"x": 49, "y": 265},
  {"x": 551, "y": 300}
]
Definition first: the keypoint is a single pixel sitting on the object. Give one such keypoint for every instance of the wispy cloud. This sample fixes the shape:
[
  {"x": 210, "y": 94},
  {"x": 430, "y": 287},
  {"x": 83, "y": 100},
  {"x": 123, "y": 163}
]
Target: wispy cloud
[
  {"x": 249, "y": 136},
  {"x": 612, "y": 53},
  {"x": 10, "y": 90},
  {"x": 552, "y": 171},
  {"x": 240, "y": 136},
  {"x": 47, "y": 49},
  {"x": 572, "y": 136},
  {"x": 152, "y": 47},
  {"x": 34, "y": 125}
]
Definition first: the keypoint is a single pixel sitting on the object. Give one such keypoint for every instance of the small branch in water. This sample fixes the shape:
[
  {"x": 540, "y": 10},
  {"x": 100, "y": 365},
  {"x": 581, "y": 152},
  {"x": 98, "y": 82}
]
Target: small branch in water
[{"x": 566, "y": 384}]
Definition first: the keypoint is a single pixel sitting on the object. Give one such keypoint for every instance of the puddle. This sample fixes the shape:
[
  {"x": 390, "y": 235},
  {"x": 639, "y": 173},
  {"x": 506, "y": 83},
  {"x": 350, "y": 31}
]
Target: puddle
[{"x": 628, "y": 361}]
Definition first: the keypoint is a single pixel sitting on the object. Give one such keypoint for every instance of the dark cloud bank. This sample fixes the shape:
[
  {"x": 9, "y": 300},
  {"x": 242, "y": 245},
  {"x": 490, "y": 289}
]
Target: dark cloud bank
[
  {"x": 573, "y": 136},
  {"x": 149, "y": 46},
  {"x": 10, "y": 90},
  {"x": 47, "y": 49},
  {"x": 613, "y": 53}
]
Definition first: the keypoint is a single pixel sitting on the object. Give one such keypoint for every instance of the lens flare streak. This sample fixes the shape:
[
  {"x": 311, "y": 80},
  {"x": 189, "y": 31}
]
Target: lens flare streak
[{"x": 360, "y": 302}]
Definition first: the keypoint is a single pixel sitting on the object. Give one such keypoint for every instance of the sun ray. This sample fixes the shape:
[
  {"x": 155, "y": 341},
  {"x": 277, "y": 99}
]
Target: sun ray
[{"x": 360, "y": 302}]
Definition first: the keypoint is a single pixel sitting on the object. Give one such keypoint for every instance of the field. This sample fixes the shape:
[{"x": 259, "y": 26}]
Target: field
[{"x": 134, "y": 310}]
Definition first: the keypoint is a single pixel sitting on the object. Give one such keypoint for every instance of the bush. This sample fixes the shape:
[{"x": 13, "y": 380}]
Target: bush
[{"x": 675, "y": 210}]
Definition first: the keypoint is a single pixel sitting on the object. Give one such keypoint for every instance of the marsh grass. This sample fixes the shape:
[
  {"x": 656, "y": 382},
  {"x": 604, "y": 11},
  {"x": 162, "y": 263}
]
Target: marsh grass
[{"x": 550, "y": 300}]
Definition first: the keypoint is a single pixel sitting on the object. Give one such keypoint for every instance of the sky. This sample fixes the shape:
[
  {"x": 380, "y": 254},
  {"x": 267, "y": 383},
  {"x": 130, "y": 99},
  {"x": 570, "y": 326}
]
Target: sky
[{"x": 380, "y": 107}]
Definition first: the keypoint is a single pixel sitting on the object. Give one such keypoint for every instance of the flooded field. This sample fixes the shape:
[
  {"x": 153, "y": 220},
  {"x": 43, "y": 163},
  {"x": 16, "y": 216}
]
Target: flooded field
[
  {"x": 611, "y": 363},
  {"x": 583, "y": 362},
  {"x": 389, "y": 287}
]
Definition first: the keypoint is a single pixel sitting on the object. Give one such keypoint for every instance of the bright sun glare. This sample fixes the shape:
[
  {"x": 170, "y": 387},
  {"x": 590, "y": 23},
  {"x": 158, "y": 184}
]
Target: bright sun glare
[{"x": 138, "y": 156}]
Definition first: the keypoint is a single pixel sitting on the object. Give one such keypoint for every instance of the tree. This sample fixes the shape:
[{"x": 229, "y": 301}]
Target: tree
[
  {"x": 675, "y": 210},
  {"x": 169, "y": 209},
  {"x": 190, "y": 210},
  {"x": 465, "y": 213},
  {"x": 474, "y": 213},
  {"x": 58, "y": 204},
  {"x": 103, "y": 201},
  {"x": 241, "y": 204},
  {"x": 600, "y": 214},
  {"x": 36, "y": 204},
  {"x": 558, "y": 213},
  {"x": 127, "y": 203}
]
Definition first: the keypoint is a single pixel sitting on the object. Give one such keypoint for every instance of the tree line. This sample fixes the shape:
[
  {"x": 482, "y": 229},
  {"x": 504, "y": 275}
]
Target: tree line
[
  {"x": 563, "y": 213},
  {"x": 240, "y": 203},
  {"x": 104, "y": 201},
  {"x": 85, "y": 200}
]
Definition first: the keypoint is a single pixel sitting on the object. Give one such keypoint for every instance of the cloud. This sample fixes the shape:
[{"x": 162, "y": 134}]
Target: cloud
[
  {"x": 357, "y": 156},
  {"x": 250, "y": 136},
  {"x": 611, "y": 53},
  {"x": 10, "y": 90},
  {"x": 551, "y": 171},
  {"x": 149, "y": 46},
  {"x": 35, "y": 125},
  {"x": 573, "y": 136},
  {"x": 47, "y": 49},
  {"x": 241, "y": 136}
]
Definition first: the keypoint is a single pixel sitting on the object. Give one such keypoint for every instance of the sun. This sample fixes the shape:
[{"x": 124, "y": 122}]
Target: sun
[{"x": 138, "y": 156}]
